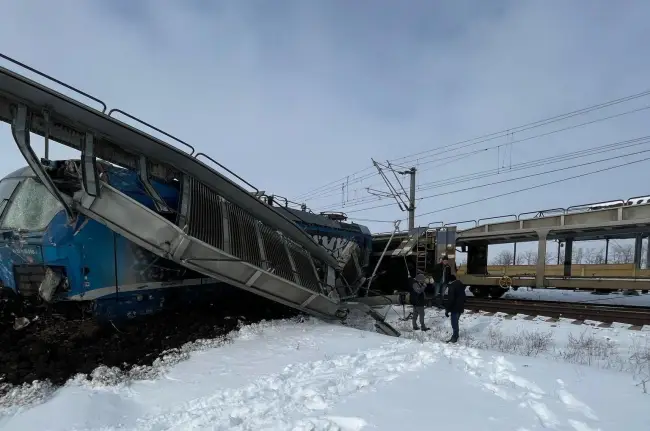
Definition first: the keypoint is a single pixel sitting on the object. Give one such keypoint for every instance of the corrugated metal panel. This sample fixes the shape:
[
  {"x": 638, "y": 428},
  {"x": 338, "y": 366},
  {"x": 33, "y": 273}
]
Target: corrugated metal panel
[
  {"x": 304, "y": 268},
  {"x": 205, "y": 219},
  {"x": 243, "y": 237}
]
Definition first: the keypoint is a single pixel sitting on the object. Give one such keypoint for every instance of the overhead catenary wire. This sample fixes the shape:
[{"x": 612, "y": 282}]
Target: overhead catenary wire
[
  {"x": 535, "y": 186},
  {"x": 334, "y": 190},
  {"x": 442, "y": 161},
  {"x": 523, "y": 177},
  {"x": 615, "y": 146},
  {"x": 514, "y": 191},
  {"x": 490, "y": 136}
]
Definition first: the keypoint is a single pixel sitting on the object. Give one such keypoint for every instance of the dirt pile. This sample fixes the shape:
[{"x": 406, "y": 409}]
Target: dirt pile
[{"x": 54, "y": 347}]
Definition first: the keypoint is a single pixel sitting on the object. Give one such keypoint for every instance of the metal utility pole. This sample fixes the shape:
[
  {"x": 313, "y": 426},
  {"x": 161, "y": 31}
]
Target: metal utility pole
[{"x": 411, "y": 208}]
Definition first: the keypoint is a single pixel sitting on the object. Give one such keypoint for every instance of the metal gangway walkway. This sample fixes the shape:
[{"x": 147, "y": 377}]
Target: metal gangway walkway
[{"x": 220, "y": 229}]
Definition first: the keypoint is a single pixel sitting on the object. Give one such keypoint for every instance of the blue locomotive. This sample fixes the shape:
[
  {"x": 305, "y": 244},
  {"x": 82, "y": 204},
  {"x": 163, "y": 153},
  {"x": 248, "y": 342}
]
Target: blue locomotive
[{"x": 91, "y": 267}]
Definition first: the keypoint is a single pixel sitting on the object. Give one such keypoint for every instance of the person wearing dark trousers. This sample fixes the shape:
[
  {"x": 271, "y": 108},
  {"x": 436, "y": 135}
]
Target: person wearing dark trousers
[
  {"x": 455, "y": 305},
  {"x": 418, "y": 301},
  {"x": 441, "y": 272}
]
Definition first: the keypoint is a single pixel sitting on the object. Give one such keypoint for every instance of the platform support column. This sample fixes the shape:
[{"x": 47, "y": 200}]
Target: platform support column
[
  {"x": 89, "y": 178},
  {"x": 541, "y": 258},
  {"x": 638, "y": 250},
  {"x": 143, "y": 173},
  {"x": 20, "y": 130},
  {"x": 568, "y": 256}
]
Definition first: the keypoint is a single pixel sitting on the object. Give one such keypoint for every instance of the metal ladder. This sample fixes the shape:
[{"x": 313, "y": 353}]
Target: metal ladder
[
  {"x": 421, "y": 255},
  {"x": 423, "y": 246}
]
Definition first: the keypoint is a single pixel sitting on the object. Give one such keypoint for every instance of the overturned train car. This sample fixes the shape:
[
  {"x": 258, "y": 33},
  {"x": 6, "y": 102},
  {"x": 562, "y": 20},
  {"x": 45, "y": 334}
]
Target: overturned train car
[{"x": 184, "y": 222}]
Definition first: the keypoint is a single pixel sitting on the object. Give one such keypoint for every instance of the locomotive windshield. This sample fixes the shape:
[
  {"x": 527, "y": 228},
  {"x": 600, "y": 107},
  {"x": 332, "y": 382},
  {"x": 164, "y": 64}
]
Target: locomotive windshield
[
  {"x": 7, "y": 188},
  {"x": 31, "y": 208}
]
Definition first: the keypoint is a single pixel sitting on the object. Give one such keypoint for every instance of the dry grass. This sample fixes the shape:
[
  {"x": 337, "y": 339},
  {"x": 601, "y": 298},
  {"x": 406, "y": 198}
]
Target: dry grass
[{"x": 584, "y": 349}]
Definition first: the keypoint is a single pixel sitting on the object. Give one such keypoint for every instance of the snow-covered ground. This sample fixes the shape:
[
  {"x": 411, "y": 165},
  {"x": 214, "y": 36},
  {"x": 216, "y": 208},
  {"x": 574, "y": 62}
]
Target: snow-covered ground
[
  {"x": 507, "y": 374},
  {"x": 616, "y": 298}
]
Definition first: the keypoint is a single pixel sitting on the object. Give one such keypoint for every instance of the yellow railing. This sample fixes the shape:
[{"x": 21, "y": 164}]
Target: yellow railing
[{"x": 577, "y": 270}]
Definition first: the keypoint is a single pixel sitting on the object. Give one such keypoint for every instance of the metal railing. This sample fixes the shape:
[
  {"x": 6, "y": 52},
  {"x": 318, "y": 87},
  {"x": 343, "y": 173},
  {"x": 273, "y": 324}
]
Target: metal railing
[
  {"x": 110, "y": 113},
  {"x": 61, "y": 83}
]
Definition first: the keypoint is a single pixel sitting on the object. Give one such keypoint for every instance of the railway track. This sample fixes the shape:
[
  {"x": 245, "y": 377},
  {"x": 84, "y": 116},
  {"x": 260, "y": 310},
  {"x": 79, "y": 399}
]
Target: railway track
[{"x": 633, "y": 315}]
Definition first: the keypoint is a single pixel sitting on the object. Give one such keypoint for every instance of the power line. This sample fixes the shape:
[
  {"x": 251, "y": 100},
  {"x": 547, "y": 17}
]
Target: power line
[
  {"x": 536, "y": 186},
  {"x": 535, "y": 174},
  {"x": 515, "y": 179},
  {"x": 516, "y": 191},
  {"x": 496, "y": 135},
  {"x": 541, "y": 162},
  {"x": 615, "y": 146},
  {"x": 541, "y": 123},
  {"x": 529, "y": 138}
]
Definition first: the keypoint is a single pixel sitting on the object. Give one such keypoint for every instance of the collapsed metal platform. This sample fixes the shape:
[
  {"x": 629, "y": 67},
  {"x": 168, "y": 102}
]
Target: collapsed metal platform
[{"x": 221, "y": 229}]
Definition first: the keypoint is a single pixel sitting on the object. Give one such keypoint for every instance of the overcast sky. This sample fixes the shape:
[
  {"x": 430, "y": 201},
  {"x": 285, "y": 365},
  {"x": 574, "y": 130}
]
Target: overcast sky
[{"x": 294, "y": 95}]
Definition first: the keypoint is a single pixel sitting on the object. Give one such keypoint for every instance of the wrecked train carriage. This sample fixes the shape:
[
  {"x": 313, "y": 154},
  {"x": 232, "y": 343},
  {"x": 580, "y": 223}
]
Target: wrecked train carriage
[{"x": 218, "y": 228}]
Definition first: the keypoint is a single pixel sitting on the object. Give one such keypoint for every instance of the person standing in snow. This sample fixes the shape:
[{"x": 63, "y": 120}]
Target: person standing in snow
[
  {"x": 441, "y": 273},
  {"x": 417, "y": 301},
  {"x": 455, "y": 305}
]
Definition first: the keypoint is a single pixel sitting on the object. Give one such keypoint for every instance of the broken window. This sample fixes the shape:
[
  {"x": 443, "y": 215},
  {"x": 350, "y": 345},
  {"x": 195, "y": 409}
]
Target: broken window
[{"x": 32, "y": 208}]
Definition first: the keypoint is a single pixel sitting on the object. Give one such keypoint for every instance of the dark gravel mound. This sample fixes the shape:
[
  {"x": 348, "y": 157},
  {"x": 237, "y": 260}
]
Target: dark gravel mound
[{"x": 55, "y": 347}]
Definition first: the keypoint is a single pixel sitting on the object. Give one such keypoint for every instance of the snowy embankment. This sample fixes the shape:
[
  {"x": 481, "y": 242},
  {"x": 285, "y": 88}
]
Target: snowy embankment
[
  {"x": 614, "y": 298},
  {"x": 315, "y": 376}
]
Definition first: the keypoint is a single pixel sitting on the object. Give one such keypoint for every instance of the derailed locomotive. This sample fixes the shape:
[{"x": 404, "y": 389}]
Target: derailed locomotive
[{"x": 43, "y": 255}]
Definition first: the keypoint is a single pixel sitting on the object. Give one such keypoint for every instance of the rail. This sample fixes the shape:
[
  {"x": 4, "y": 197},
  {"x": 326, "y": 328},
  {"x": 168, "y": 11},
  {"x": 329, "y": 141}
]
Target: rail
[
  {"x": 456, "y": 223},
  {"x": 227, "y": 170},
  {"x": 637, "y": 200},
  {"x": 288, "y": 202},
  {"x": 121, "y": 112},
  {"x": 542, "y": 213},
  {"x": 633, "y": 315},
  {"x": 51, "y": 78},
  {"x": 497, "y": 218},
  {"x": 640, "y": 200},
  {"x": 134, "y": 118}
]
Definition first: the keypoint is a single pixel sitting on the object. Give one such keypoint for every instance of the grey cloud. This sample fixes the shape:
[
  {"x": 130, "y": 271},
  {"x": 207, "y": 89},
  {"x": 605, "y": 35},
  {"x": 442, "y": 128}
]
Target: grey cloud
[{"x": 297, "y": 94}]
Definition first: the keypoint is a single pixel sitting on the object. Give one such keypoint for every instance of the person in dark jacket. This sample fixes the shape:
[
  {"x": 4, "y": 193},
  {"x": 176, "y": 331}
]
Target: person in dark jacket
[
  {"x": 455, "y": 305},
  {"x": 441, "y": 272},
  {"x": 417, "y": 301}
]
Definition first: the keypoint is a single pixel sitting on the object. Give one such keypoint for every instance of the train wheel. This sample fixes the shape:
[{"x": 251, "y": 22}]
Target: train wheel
[
  {"x": 480, "y": 291},
  {"x": 497, "y": 292}
]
